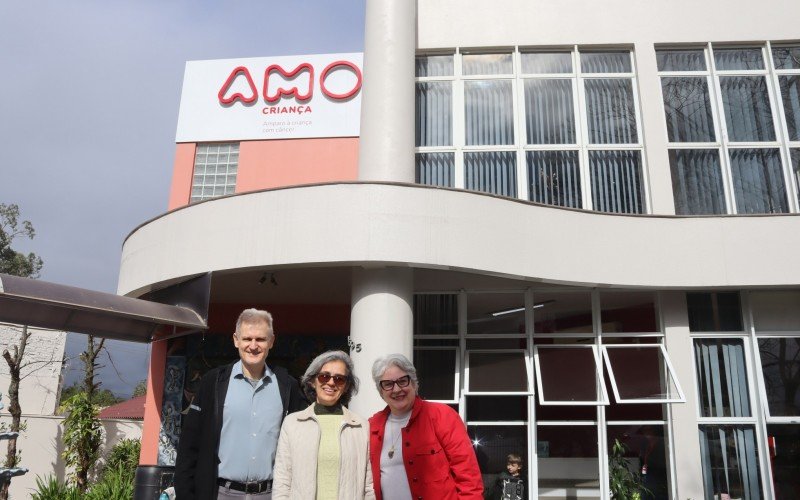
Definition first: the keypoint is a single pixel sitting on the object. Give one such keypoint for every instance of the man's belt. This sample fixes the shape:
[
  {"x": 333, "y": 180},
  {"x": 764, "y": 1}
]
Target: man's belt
[{"x": 251, "y": 487}]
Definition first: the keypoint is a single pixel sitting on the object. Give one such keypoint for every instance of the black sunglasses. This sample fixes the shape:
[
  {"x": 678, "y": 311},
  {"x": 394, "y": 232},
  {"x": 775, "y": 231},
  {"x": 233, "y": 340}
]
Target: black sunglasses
[
  {"x": 338, "y": 380},
  {"x": 387, "y": 385}
]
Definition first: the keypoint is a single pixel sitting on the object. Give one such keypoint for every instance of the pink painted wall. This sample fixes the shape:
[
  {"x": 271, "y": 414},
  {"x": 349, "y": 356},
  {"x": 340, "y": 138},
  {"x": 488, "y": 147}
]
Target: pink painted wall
[
  {"x": 278, "y": 163},
  {"x": 152, "y": 405},
  {"x": 181, "y": 188}
]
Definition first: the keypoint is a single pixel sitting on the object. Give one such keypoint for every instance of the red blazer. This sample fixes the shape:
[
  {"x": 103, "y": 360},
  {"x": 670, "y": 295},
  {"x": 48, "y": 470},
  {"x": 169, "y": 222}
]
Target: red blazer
[{"x": 437, "y": 452}]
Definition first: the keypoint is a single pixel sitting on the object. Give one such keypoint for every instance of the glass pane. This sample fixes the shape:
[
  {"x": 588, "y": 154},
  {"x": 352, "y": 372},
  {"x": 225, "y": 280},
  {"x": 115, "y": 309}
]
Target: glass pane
[
  {"x": 785, "y": 455},
  {"x": 681, "y": 60},
  {"x": 437, "y": 370},
  {"x": 491, "y": 172},
  {"x": 488, "y": 112},
  {"x": 616, "y": 181},
  {"x": 497, "y": 408},
  {"x": 794, "y": 159},
  {"x": 546, "y": 62},
  {"x": 722, "y": 378},
  {"x": 495, "y": 343},
  {"x": 562, "y": 312},
  {"x": 758, "y": 181},
  {"x": 496, "y": 447},
  {"x": 714, "y": 311},
  {"x": 628, "y": 312},
  {"x": 730, "y": 461},
  {"x": 568, "y": 461},
  {"x": 554, "y": 178},
  {"x": 436, "y": 314},
  {"x": 641, "y": 373},
  {"x": 497, "y": 372},
  {"x": 776, "y": 311},
  {"x": 568, "y": 375},
  {"x": 495, "y": 313},
  {"x": 606, "y": 62},
  {"x": 780, "y": 364},
  {"x": 486, "y": 64},
  {"x": 688, "y": 109},
  {"x": 434, "y": 65},
  {"x": 738, "y": 59},
  {"x": 435, "y": 169},
  {"x": 610, "y": 111},
  {"x": 790, "y": 92},
  {"x": 549, "y": 115},
  {"x": 786, "y": 57},
  {"x": 643, "y": 451},
  {"x": 696, "y": 181},
  {"x": 747, "y": 111},
  {"x": 434, "y": 114}
]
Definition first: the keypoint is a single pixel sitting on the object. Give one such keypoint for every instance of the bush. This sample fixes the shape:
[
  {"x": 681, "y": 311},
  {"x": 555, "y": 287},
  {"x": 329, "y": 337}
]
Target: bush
[
  {"x": 51, "y": 488},
  {"x": 124, "y": 455},
  {"x": 117, "y": 484}
]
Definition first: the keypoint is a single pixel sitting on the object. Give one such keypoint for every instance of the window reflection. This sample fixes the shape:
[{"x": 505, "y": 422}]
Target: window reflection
[
  {"x": 780, "y": 364},
  {"x": 568, "y": 461},
  {"x": 784, "y": 450},
  {"x": 493, "y": 445},
  {"x": 644, "y": 454}
]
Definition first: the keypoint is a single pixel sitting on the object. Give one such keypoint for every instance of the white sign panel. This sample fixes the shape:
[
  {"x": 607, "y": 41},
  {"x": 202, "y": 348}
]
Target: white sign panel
[{"x": 287, "y": 97}]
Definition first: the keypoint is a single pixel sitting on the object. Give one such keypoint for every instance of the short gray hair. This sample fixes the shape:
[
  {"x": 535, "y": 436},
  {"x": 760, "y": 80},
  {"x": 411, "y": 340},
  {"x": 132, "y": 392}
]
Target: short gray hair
[
  {"x": 384, "y": 362},
  {"x": 251, "y": 316},
  {"x": 307, "y": 381}
]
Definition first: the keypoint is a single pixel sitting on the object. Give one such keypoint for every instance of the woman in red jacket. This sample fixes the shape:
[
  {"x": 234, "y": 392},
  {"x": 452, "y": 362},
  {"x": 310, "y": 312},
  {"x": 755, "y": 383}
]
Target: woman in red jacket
[{"x": 418, "y": 450}]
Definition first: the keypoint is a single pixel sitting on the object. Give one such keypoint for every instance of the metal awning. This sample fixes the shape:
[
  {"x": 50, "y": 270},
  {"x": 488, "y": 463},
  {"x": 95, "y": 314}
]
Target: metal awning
[{"x": 42, "y": 304}]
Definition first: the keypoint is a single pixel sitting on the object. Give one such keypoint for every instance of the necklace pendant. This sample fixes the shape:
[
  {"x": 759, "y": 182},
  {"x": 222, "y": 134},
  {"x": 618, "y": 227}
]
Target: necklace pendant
[{"x": 391, "y": 452}]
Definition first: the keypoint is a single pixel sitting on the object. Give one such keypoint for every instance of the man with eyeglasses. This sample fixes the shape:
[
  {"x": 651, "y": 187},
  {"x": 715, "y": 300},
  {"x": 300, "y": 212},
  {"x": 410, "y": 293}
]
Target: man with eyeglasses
[{"x": 230, "y": 435}]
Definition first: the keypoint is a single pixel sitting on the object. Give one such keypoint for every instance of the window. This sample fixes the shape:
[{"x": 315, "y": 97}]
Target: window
[
  {"x": 215, "y": 167},
  {"x": 725, "y": 124},
  {"x": 557, "y": 127}
]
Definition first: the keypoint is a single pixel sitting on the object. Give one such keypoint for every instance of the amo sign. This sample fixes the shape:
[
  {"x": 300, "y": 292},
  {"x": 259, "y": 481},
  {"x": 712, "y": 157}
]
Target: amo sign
[{"x": 286, "y": 97}]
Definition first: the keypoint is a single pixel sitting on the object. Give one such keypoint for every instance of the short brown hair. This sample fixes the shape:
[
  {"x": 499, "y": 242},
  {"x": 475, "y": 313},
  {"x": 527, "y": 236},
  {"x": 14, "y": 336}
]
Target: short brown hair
[{"x": 514, "y": 458}]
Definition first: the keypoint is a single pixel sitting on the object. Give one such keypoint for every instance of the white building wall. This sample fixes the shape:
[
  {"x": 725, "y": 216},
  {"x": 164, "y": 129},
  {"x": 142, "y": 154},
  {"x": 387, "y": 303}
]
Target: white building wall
[
  {"x": 41, "y": 374},
  {"x": 42, "y": 445}
]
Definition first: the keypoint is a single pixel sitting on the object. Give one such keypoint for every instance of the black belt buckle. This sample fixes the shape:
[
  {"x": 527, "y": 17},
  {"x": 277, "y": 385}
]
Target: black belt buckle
[{"x": 253, "y": 487}]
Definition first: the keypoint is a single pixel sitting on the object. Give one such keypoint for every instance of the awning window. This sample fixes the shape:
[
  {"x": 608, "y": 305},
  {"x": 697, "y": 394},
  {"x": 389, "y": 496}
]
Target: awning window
[
  {"x": 641, "y": 373},
  {"x": 569, "y": 375}
]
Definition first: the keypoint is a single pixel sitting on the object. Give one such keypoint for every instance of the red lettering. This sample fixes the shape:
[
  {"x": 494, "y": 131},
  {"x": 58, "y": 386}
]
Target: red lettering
[
  {"x": 333, "y": 66},
  {"x": 281, "y": 92},
  {"x": 237, "y": 96}
]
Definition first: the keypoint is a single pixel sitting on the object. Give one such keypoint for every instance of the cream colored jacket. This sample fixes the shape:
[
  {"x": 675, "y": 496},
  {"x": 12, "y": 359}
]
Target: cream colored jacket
[{"x": 295, "y": 471}]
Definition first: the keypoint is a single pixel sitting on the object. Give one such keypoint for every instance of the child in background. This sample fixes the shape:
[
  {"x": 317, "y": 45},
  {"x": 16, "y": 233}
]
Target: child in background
[{"x": 510, "y": 485}]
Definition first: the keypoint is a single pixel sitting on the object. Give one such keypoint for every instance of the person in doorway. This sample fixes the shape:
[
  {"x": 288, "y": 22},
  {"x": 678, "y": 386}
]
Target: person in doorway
[
  {"x": 510, "y": 485},
  {"x": 323, "y": 450},
  {"x": 230, "y": 435},
  {"x": 418, "y": 449}
]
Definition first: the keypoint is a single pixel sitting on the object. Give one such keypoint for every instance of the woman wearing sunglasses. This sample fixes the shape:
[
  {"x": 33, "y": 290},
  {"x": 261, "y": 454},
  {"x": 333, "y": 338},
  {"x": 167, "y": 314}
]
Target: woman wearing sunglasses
[
  {"x": 418, "y": 449},
  {"x": 322, "y": 450}
]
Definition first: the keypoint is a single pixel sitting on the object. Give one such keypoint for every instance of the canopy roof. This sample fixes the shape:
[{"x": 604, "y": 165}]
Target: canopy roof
[{"x": 42, "y": 304}]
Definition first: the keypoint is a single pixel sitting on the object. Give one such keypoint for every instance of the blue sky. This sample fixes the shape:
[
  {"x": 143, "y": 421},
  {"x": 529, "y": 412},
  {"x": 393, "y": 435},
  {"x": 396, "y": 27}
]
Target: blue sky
[{"x": 89, "y": 99}]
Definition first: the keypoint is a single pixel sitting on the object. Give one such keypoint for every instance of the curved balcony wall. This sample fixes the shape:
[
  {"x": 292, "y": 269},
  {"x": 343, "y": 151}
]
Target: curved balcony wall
[{"x": 367, "y": 224}]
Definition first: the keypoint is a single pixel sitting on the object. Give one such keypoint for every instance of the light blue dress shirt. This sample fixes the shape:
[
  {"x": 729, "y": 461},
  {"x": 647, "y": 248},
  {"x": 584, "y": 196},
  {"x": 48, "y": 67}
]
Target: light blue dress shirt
[{"x": 251, "y": 422}]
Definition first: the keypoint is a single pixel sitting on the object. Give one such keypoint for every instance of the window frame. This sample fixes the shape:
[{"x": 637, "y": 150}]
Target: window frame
[
  {"x": 520, "y": 147},
  {"x": 723, "y": 145},
  {"x": 602, "y": 401}
]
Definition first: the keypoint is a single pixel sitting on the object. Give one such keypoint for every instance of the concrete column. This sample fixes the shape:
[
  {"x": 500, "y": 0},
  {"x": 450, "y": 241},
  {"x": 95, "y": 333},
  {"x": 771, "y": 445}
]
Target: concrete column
[
  {"x": 386, "y": 148},
  {"x": 381, "y": 322},
  {"x": 685, "y": 434}
]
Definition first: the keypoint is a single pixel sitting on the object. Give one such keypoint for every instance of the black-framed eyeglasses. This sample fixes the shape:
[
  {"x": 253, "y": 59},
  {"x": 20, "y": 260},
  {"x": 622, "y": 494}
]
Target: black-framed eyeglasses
[
  {"x": 387, "y": 385},
  {"x": 338, "y": 380}
]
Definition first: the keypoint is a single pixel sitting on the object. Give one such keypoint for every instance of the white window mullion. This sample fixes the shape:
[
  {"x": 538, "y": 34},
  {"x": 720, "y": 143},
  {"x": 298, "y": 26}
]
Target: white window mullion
[
  {"x": 582, "y": 130},
  {"x": 722, "y": 132},
  {"x": 459, "y": 127},
  {"x": 782, "y": 131}
]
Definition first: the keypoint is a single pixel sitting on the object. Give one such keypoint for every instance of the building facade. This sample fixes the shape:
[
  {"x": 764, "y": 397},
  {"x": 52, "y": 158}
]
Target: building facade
[{"x": 580, "y": 220}]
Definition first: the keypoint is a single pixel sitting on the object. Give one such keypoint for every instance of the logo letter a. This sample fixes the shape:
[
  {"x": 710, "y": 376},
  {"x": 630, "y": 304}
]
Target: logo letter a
[{"x": 241, "y": 70}]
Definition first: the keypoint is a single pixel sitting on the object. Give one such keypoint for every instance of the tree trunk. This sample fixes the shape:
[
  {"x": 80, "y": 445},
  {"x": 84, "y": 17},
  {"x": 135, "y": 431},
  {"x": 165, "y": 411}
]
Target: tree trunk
[{"x": 14, "y": 408}]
